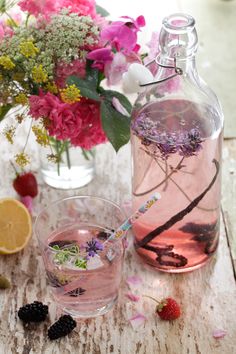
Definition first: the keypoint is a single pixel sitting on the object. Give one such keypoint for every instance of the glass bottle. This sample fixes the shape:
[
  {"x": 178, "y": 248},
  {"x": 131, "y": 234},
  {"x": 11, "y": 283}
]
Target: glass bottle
[{"x": 176, "y": 132}]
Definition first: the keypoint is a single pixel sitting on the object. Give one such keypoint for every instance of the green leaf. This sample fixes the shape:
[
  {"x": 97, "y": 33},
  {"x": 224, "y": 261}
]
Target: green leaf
[
  {"x": 92, "y": 74},
  {"x": 108, "y": 94},
  {"x": 4, "y": 110},
  {"x": 86, "y": 87},
  {"x": 101, "y": 11},
  {"x": 115, "y": 125}
]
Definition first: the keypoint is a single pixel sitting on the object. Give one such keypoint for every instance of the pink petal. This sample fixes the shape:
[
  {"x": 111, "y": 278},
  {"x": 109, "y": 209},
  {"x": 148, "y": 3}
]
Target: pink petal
[
  {"x": 137, "y": 321},
  {"x": 132, "y": 297},
  {"x": 134, "y": 280},
  {"x": 118, "y": 106},
  {"x": 140, "y": 21},
  {"x": 125, "y": 243},
  {"x": 101, "y": 54},
  {"x": 219, "y": 333},
  {"x": 28, "y": 203}
]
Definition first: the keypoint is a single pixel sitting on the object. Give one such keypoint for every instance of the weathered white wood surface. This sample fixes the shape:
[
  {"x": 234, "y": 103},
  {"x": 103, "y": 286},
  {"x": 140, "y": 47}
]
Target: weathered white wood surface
[{"x": 207, "y": 296}]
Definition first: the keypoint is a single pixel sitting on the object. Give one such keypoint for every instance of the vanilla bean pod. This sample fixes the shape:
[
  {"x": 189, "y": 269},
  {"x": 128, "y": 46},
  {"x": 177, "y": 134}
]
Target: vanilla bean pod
[{"x": 179, "y": 216}]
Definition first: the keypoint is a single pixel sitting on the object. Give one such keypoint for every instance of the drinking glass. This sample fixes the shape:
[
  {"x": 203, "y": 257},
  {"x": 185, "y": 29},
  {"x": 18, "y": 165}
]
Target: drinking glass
[{"x": 84, "y": 271}]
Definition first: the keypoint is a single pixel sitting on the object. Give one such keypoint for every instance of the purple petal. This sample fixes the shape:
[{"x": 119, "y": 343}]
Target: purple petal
[
  {"x": 134, "y": 280},
  {"x": 28, "y": 203},
  {"x": 118, "y": 106},
  {"x": 137, "y": 321},
  {"x": 219, "y": 333},
  {"x": 132, "y": 297}
]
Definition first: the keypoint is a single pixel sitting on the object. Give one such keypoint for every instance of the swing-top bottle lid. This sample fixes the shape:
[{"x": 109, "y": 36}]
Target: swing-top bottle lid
[{"x": 178, "y": 36}]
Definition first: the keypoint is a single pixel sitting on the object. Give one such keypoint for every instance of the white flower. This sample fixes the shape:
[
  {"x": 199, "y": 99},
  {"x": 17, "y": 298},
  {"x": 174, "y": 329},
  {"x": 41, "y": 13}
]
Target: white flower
[{"x": 136, "y": 75}]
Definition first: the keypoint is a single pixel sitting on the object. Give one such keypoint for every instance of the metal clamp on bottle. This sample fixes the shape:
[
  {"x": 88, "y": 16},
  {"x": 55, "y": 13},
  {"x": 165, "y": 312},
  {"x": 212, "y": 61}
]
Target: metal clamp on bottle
[{"x": 178, "y": 71}]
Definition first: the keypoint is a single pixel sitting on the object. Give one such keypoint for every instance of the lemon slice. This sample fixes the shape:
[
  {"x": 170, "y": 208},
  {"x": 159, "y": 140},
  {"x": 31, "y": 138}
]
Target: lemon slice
[{"x": 15, "y": 226}]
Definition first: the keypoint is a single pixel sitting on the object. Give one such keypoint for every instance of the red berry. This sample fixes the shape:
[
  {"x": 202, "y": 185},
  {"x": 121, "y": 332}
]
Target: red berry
[
  {"x": 26, "y": 184},
  {"x": 168, "y": 309}
]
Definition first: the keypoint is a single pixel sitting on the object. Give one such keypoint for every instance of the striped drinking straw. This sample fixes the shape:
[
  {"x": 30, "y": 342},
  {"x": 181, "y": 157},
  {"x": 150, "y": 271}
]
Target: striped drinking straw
[{"x": 121, "y": 231}]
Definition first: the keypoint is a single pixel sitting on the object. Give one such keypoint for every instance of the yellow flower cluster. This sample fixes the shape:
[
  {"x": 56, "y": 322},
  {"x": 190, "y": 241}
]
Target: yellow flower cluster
[
  {"x": 52, "y": 87},
  {"x": 21, "y": 99},
  {"x": 70, "y": 94},
  {"x": 39, "y": 75},
  {"x": 6, "y": 62},
  {"x": 28, "y": 49},
  {"x": 9, "y": 133},
  {"x": 41, "y": 135},
  {"x": 22, "y": 159}
]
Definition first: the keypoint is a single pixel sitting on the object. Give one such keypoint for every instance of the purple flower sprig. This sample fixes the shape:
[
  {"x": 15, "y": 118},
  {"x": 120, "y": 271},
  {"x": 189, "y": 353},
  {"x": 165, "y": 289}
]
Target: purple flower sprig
[
  {"x": 184, "y": 142},
  {"x": 92, "y": 247}
]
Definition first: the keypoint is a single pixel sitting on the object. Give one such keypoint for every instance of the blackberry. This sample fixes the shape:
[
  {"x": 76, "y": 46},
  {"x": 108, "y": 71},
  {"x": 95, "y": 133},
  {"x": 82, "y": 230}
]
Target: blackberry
[
  {"x": 35, "y": 312},
  {"x": 62, "y": 327}
]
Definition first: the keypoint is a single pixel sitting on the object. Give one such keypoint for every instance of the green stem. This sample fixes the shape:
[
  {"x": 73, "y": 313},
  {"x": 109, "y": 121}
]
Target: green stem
[
  {"x": 58, "y": 155},
  {"x": 12, "y": 19},
  {"x": 152, "y": 298},
  {"x": 28, "y": 135},
  {"x": 85, "y": 154},
  {"x": 27, "y": 20},
  {"x": 68, "y": 156}
]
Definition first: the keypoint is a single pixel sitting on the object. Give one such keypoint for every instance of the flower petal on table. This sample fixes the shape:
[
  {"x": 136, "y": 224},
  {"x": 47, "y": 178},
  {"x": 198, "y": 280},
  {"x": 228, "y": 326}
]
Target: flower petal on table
[
  {"x": 137, "y": 320},
  {"x": 132, "y": 297},
  {"x": 134, "y": 280},
  {"x": 219, "y": 333}
]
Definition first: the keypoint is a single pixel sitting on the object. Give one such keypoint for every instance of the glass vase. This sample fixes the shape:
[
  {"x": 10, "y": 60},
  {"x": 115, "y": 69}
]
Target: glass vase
[
  {"x": 176, "y": 130},
  {"x": 75, "y": 167}
]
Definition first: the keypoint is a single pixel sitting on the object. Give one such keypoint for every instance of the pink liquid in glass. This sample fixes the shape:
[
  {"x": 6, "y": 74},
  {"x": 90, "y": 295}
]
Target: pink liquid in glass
[
  {"x": 84, "y": 292},
  {"x": 188, "y": 243}
]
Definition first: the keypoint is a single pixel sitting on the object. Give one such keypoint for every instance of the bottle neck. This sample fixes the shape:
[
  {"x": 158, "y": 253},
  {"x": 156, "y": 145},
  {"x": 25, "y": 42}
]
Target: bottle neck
[{"x": 178, "y": 40}]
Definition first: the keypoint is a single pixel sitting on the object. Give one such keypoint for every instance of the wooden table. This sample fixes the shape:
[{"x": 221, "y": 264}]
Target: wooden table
[{"x": 207, "y": 296}]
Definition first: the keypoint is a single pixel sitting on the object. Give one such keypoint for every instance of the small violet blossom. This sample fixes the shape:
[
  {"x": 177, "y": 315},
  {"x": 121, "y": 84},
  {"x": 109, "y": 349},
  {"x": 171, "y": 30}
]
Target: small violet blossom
[
  {"x": 186, "y": 142},
  {"x": 93, "y": 246}
]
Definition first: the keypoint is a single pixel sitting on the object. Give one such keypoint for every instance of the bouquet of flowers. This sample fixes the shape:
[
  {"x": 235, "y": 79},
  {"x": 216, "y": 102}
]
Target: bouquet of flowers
[{"x": 54, "y": 56}]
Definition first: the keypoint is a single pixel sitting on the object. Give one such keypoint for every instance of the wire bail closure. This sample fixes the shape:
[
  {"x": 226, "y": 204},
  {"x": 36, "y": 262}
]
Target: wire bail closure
[{"x": 178, "y": 71}]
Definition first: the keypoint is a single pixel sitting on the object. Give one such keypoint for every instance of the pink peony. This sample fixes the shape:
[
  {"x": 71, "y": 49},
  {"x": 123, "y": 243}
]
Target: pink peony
[
  {"x": 65, "y": 123},
  {"x": 91, "y": 133},
  {"x": 77, "y": 68},
  {"x": 39, "y": 7},
  {"x": 80, "y": 122},
  {"x": 82, "y": 7},
  {"x": 42, "y": 105}
]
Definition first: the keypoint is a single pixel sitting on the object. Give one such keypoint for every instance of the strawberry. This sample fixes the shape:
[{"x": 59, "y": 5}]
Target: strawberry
[
  {"x": 168, "y": 309},
  {"x": 26, "y": 184}
]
